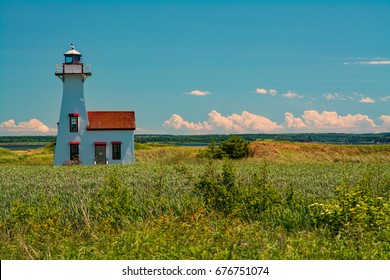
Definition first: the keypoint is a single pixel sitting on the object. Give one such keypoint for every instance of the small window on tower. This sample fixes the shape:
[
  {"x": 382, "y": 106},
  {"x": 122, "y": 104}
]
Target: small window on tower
[
  {"x": 116, "y": 150},
  {"x": 74, "y": 123}
]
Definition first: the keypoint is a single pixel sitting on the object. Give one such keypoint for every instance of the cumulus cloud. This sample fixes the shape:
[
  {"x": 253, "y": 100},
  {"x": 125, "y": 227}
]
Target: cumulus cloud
[
  {"x": 366, "y": 100},
  {"x": 361, "y": 98},
  {"x": 236, "y": 123},
  {"x": 385, "y": 123},
  {"x": 31, "y": 127},
  {"x": 331, "y": 121},
  {"x": 292, "y": 94},
  {"x": 261, "y": 91},
  {"x": 198, "y": 92},
  {"x": 293, "y": 123},
  {"x": 264, "y": 91},
  {"x": 309, "y": 121},
  {"x": 177, "y": 122}
]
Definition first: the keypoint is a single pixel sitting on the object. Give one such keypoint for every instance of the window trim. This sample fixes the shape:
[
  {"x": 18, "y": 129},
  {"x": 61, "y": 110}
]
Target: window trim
[
  {"x": 71, "y": 152},
  {"x": 74, "y": 116},
  {"x": 116, "y": 154}
]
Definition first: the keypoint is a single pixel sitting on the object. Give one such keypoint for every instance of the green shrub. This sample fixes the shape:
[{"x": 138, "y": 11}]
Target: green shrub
[
  {"x": 354, "y": 211},
  {"x": 233, "y": 148},
  {"x": 219, "y": 189}
]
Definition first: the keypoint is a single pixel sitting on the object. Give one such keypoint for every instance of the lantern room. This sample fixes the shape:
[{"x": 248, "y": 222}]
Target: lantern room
[
  {"x": 72, "y": 56},
  {"x": 73, "y": 65}
]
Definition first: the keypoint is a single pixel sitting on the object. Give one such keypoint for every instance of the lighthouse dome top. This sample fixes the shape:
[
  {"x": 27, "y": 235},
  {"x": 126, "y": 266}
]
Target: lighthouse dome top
[{"x": 72, "y": 52}]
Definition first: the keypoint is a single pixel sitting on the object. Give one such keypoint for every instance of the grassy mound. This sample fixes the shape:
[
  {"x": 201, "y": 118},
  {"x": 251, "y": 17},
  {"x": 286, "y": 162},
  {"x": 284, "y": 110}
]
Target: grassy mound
[
  {"x": 275, "y": 151},
  {"x": 41, "y": 156},
  {"x": 259, "y": 151}
]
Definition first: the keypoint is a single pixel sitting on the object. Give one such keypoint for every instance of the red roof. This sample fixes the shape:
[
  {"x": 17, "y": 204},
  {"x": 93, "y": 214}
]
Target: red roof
[{"x": 111, "y": 120}]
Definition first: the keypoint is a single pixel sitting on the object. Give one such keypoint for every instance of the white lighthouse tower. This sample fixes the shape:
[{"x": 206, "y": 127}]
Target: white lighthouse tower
[
  {"x": 89, "y": 137},
  {"x": 73, "y": 115}
]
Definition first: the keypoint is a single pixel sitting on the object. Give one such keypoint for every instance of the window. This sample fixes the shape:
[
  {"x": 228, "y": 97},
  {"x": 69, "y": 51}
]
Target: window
[
  {"x": 116, "y": 150},
  {"x": 68, "y": 59},
  {"x": 74, "y": 151},
  {"x": 73, "y": 122}
]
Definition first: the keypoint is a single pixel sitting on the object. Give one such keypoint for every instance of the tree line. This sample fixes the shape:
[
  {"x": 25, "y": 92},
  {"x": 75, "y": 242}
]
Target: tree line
[
  {"x": 204, "y": 140},
  {"x": 334, "y": 138}
]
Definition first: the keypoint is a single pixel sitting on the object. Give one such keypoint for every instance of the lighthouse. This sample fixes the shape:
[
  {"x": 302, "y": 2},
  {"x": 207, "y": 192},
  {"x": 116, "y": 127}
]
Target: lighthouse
[{"x": 95, "y": 137}]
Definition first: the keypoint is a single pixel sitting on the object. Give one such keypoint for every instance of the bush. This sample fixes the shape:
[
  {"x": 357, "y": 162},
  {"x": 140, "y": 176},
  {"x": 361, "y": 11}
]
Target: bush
[
  {"x": 218, "y": 189},
  {"x": 233, "y": 148},
  {"x": 355, "y": 210}
]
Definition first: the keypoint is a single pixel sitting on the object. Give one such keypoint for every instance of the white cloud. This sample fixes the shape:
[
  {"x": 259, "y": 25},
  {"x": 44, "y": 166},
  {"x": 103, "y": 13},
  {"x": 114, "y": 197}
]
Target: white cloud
[
  {"x": 358, "y": 97},
  {"x": 265, "y": 91},
  {"x": 382, "y": 62},
  {"x": 361, "y": 98},
  {"x": 198, "y": 92},
  {"x": 385, "y": 99},
  {"x": 31, "y": 127},
  {"x": 334, "y": 96},
  {"x": 385, "y": 123},
  {"x": 309, "y": 121},
  {"x": 366, "y": 100},
  {"x": 293, "y": 123},
  {"x": 261, "y": 91},
  {"x": 244, "y": 123},
  {"x": 331, "y": 121},
  {"x": 177, "y": 122},
  {"x": 292, "y": 94},
  {"x": 370, "y": 61}
]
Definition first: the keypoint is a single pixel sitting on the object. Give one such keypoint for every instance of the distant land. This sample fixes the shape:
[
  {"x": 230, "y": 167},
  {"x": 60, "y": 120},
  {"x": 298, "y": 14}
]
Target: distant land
[
  {"x": 330, "y": 138},
  {"x": 29, "y": 142}
]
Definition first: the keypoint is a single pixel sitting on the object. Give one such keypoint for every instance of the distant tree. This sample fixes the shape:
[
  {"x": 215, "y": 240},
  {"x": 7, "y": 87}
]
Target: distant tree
[{"x": 235, "y": 147}]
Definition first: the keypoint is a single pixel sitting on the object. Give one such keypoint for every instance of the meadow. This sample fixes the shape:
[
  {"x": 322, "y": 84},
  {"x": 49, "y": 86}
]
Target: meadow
[{"x": 284, "y": 201}]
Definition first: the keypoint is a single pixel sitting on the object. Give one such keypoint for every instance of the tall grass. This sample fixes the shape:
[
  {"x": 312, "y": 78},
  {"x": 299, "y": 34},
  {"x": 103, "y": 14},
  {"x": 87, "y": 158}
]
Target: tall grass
[{"x": 217, "y": 210}]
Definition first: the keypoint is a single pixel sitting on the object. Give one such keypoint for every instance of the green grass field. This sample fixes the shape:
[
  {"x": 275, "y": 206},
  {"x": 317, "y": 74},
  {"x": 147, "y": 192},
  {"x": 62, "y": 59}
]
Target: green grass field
[{"x": 285, "y": 201}]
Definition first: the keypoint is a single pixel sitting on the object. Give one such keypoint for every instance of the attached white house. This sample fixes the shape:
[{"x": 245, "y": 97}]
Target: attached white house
[{"x": 94, "y": 137}]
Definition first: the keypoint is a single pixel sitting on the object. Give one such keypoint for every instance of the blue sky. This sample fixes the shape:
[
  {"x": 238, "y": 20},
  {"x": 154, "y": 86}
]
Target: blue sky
[{"x": 193, "y": 67}]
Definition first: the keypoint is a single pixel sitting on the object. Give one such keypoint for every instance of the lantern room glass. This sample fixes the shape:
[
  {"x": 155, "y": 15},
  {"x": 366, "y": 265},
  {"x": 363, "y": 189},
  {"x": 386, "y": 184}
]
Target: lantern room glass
[{"x": 72, "y": 59}]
